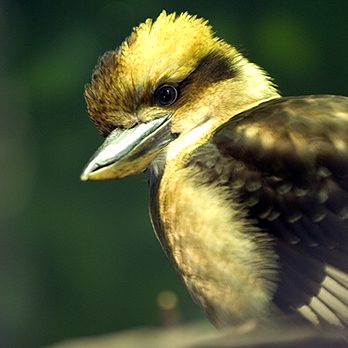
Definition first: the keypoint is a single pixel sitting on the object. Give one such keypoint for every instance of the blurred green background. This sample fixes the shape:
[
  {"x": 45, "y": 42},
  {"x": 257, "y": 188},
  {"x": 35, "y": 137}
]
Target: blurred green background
[{"x": 80, "y": 258}]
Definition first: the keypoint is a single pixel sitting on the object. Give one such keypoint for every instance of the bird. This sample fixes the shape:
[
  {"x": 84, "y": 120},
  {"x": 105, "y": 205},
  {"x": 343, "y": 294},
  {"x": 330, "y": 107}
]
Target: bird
[{"x": 248, "y": 189}]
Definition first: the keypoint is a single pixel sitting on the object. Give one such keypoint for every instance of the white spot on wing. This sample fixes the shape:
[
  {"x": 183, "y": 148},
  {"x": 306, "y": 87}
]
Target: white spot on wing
[
  {"x": 307, "y": 312},
  {"x": 340, "y": 144},
  {"x": 324, "y": 311},
  {"x": 343, "y": 214}
]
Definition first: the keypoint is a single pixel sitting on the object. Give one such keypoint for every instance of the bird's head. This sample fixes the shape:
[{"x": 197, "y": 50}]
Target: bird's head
[{"x": 170, "y": 76}]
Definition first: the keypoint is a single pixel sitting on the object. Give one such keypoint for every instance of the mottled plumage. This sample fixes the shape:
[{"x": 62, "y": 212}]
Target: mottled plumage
[
  {"x": 249, "y": 191},
  {"x": 286, "y": 162}
]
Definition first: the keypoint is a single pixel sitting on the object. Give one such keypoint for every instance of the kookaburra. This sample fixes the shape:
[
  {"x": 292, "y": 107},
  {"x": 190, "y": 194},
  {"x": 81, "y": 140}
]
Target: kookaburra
[{"x": 248, "y": 189}]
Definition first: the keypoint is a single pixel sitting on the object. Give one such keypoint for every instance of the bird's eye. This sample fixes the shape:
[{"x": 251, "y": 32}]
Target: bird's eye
[{"x": 166, "y": 95}]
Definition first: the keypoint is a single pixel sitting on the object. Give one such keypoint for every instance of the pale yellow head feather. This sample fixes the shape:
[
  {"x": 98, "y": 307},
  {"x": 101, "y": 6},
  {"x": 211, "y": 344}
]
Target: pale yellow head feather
[{"x": 167, "y": 49}]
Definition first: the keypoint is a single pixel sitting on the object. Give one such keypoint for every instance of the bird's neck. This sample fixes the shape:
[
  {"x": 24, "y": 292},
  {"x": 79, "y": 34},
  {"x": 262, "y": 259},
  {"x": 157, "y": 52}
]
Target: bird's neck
[
  {"x": 221, "y": 101},
  {"x": 250, "y": 87}
]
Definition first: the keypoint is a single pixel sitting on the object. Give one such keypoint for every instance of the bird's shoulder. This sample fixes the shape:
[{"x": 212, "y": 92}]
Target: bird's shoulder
[{"x": 292, "y": 137}]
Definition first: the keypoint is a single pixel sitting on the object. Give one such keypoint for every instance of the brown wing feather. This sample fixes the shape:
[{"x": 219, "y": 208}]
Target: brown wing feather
[{"x": 287, "y": 162}]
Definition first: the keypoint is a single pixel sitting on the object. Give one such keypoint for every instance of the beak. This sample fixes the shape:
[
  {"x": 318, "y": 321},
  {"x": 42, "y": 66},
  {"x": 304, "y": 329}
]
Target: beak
[{"x": 129, "y": 151}]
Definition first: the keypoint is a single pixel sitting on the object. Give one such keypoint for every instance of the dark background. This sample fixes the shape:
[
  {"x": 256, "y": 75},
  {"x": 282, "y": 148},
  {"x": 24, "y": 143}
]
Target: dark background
[{"x": 80, "y": 258}]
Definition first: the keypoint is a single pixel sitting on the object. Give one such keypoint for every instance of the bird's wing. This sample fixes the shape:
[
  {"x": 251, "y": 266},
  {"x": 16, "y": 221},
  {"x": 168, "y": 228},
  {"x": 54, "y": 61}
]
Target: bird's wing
[{"x": 287, "y": 162}]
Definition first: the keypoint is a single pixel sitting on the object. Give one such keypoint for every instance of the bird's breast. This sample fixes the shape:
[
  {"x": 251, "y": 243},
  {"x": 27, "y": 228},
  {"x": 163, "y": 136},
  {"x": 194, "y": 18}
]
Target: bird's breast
[{"x": 215, "y": 251}]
